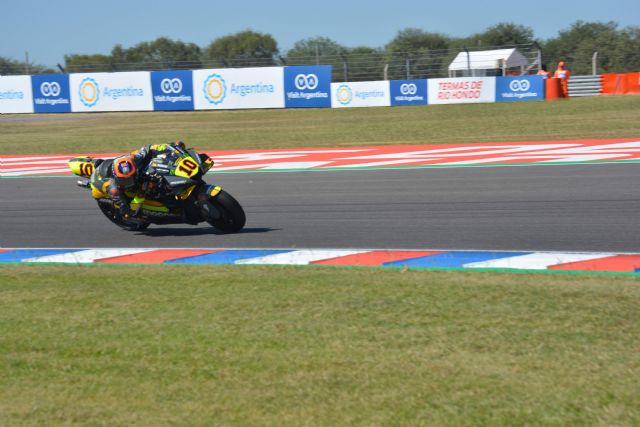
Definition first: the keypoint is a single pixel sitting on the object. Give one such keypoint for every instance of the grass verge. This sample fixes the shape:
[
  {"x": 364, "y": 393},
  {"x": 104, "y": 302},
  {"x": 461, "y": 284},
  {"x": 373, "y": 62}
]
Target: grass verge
[
  {"x": 247, "y": 346},
  {"x": 586, "y": 118}
]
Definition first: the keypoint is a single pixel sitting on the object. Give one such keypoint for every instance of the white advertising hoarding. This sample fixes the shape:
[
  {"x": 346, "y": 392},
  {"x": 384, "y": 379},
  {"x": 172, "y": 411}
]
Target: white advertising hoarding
[
  {"x": 462, "y": 90},
  {"x": 236, "y": 88},
  {"x": 129, "y": 91},
  {"x": 360, "y": 94},
  {"x": 15, "y": 94}
]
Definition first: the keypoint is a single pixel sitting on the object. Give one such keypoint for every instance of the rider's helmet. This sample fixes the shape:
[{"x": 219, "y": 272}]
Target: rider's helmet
[{"x": 124, "y": 172}]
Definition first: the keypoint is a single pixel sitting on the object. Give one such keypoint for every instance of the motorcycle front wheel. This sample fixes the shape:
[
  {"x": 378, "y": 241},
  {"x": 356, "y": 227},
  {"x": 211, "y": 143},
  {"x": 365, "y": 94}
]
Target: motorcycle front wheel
[{"x": 231, "y": 215}]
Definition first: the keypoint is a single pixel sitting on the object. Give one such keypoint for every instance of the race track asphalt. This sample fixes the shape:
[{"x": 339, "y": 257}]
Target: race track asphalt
[{"x": 568, "y": 208}]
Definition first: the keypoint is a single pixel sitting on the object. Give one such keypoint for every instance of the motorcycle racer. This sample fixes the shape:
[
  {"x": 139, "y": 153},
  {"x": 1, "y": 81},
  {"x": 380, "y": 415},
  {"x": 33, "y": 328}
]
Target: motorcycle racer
[
  {"x": 115, "y": 178},
  {"x": 158, "y": 184}
]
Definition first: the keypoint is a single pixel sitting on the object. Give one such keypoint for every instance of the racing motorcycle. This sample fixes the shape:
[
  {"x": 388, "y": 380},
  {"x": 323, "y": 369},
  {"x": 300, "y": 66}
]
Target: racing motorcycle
[{"x": 172, "y": 191}]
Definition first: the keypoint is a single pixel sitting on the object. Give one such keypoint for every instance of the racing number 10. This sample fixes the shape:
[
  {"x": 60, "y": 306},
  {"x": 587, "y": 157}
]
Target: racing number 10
[
  {"x": 188, "y": 166},
  {"x": 86, "y": 169}
]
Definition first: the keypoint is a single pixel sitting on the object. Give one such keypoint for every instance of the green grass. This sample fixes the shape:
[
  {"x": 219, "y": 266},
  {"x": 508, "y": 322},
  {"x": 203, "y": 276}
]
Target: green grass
[
  {"x": 587, "y": 118},
  {"x": 260, "y": 346},
  {"x": 251, "y": 346}
]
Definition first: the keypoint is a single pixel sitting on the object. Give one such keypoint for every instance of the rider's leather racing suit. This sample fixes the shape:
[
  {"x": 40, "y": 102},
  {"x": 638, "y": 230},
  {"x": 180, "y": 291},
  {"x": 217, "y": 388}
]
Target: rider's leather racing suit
[{"x": 104, "y": 183}]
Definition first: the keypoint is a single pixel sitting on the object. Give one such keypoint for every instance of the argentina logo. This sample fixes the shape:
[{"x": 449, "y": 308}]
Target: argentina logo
[
  {"x": 89, "y": 92},
  {"x": 344, "y": 94},
  {"x": 215, "y": 89}
]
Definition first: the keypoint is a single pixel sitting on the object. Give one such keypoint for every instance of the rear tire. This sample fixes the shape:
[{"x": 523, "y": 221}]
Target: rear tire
[
  {"x": 114, "y": 216},
  {"x": 232, "y": 216}
]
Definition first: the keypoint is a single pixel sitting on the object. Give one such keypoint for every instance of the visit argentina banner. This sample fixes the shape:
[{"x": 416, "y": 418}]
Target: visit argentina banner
[
  {"x": 360, "y": 94},
  {"x": 127, "y": 91},
  {"x": 237, "y": 88},
  {"x": 15, "y": 94}
]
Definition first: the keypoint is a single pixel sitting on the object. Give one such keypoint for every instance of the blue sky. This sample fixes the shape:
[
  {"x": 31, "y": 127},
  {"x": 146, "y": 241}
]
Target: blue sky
[{"x": 50, "y": 29}]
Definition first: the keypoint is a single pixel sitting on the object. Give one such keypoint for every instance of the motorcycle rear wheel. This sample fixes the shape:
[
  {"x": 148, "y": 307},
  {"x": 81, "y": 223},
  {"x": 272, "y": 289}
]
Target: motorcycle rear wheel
[
  {"x": 232, "y": 216},
  {"x": 115, "y": 217}
]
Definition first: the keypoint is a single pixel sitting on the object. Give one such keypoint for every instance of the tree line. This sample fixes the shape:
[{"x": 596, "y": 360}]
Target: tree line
[{"x": 413, "y": 52}]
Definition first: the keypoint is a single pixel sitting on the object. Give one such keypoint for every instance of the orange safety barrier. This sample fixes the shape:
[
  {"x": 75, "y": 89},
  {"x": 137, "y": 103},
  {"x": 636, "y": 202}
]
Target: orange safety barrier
[
  {"x": 621, "y": 84},
  {"x": 614, "y": 84},
  {"x": 552, "y": 89},
  {"x": 633, "y": 83}
]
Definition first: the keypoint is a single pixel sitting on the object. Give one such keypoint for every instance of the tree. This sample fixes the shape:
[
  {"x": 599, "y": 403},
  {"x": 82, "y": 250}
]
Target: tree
[
  {"x": 415, "y": 53},
  {"x": 617, "y": 50},
  {"x": 320, "y": 50},
  {"x": 414, "y": 39},
  {"x": 625, "y": 58},
  {"x": 314, "y": 50},
  {"x": 12, "y": 67},
  {"x": 162, "y": 53},
  {"x": 243, "y": 49},
  {"x": 76, "y": 63},
  {"x": 502, "y": 34},
  {"x": 364, "y": 64}
]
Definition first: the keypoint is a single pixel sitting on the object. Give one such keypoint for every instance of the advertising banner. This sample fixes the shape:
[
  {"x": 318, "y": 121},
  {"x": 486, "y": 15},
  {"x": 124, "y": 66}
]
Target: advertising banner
[
  {"x": 408, "y": 92},
  {"x": 236, "y": 88},
  {"x": 172, "y": 90},
  {"x": 307, "y": 86},
  {"x": 520, "y": 88},
  {"x": 51, "y": 93},
  {"x": 462, "y": 90},
  {"x": 130, "y": 91},
  {"x": 360, "y": 94},
  {"x": 15, "y": 94}
]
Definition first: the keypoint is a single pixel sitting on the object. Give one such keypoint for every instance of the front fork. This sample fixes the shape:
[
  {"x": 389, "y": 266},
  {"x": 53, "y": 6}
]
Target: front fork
[{"x": 209, "y": 210}]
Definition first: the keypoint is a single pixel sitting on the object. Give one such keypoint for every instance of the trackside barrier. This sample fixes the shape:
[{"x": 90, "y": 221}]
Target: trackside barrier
[
  {"x": 15, "y": 94},
  {"x": 462, "y": 90},
  {"x": 621, "y": 84},
  {"x": 273, "y": 87},
  {"x": 553, "y": 90},
  {"x": 584, "y": 86},
  {"x": 520, "y": 88},
  {"x": 51, "y": 93},
  {"x": 360, "y": 94},
  {"x": 130, "y": 91},
  {"x": 408, "y": 92},
  {"x": 172, "y": 90},
  {"x": 307, "y": 86},
  {"x": 238, "y": 88}
]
